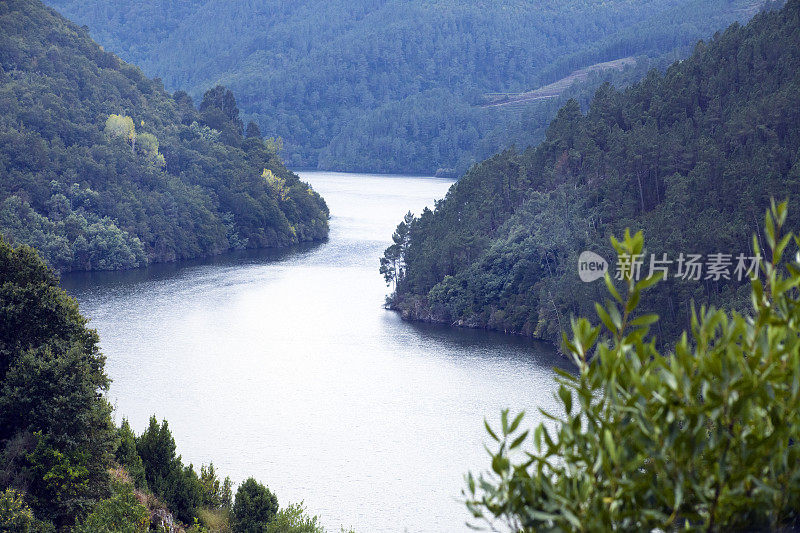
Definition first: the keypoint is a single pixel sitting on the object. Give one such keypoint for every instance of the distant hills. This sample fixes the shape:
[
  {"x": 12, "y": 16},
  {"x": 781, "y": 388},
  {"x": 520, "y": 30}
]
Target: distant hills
[
  {"x": 394, "y": 85},
  {"x": 101, "y": 168},
  {"x": 692, "y": 157}
]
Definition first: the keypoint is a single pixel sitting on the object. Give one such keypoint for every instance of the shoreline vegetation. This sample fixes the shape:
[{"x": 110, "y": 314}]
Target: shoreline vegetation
[
  {"x": 691, "y": 156},
  {"x": 65, "y": 465},
  {"x": 105, "y": 170}
]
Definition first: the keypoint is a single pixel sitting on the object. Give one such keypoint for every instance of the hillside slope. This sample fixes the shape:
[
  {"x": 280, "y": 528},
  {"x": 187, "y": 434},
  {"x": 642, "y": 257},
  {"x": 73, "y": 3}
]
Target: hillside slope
[
  {"x": 389, "y": 85},
  {"x": 101, "y": 168},
  {"x": 692, "y": 157}
]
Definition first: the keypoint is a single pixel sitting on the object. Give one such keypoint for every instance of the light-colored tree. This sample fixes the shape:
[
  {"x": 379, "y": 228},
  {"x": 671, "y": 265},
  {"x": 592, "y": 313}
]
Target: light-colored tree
[
  {"x": 148, "y": 146},
  {"x": 121, "y": 126},
  {"x": 276, "y": 183}
]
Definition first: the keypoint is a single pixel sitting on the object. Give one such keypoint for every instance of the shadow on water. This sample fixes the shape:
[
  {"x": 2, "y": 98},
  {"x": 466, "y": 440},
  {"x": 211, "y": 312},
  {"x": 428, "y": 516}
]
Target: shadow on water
[
  {"x": 490, "y": 344},
  {"x": 79, "y": 282}
]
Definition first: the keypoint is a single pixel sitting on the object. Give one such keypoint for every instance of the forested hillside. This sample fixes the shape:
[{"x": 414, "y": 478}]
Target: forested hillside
[
  {"x": 691, "y": 156},
  {"x": 101, "y": 168},
  {"x": 391, "y": 85}
]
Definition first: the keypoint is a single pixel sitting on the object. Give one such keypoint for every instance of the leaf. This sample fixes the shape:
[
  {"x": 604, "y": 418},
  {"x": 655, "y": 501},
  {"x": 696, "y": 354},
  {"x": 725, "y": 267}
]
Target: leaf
[
  {"x": 609, "y": 444},
  {"x": 516, "y": 421},
  {"x": 566, "y": 397},
  {"x": 489, "y": 430},
  {"x": 605, "y": 318},
  {"x": 645, "y": 320},
  {"x": 648, "y": 282},
  {"x": 519, "y": 440},
  {"x": 611, "y": 288}
]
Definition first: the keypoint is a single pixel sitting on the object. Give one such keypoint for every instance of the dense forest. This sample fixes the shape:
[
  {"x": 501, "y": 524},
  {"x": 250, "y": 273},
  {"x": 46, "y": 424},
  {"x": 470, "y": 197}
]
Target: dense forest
[
  {"x": 65, "y": 465},
  {"x": 691, "y": 156},
  {"x": 101, "y": 168},
  {"x": 393, "y": 85}
]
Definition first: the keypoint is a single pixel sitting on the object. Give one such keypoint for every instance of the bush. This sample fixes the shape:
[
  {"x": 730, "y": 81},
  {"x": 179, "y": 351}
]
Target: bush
[
  {"x": 702, "y": 437},
  {"x": 215, "y": 520},
  {"x": 294, "y": 519},
  {"x": 121, "y": 513},
  {"x": 254, "y": 508},
  {"x": 16, "y": 516}
]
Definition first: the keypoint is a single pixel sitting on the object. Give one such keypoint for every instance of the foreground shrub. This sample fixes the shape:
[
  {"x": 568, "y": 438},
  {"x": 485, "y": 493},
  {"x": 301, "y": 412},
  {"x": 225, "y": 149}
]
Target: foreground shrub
[{"x": 701, "y": 438}]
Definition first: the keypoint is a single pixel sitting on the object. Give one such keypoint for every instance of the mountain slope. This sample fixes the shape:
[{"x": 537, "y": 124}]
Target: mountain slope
[
  {"x": 692, "y": 157},
  {"x": 101, "y": 168},
  {"x": 333, "y": 78}
]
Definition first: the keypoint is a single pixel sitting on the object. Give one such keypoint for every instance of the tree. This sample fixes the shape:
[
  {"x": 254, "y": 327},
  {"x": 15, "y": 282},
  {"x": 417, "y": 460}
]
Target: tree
[
  {"x": 156, "y": 447},
  {"x": 216, "y": 494},
  {"x": 254, "y": 507},
  {"x": 219, "y": 109},
  {"x": 55, "y": 423},
  {"x": 121, "y": 126},
  {"x": 178, "y": 485},
  {"x": 127, "y": 456},
  {"x": 184, "y": 493},
  {"x": 253, "y": 131},
  {"x": 389, "y": 265},
  {"x": 148, "y": 146},
  {"x": 702, "y": 438},
  {"x": 393, "y": 261}
]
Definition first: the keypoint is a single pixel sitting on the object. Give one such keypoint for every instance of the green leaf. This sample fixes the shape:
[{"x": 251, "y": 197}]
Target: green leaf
[
  {"x": 519, "y": 440},
  {"x": 605, "y": 318},
  {"x": 611, "y": 288},
  {"x": 516, "y": 421},
  {"x": 644, "y": 320},
  {"x": 489, "y": 430},
  {"x": 566, "y": 398}
]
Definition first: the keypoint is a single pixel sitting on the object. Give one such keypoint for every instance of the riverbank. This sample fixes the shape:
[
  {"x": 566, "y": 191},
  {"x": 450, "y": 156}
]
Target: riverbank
[{"x": 416, "y": 308}]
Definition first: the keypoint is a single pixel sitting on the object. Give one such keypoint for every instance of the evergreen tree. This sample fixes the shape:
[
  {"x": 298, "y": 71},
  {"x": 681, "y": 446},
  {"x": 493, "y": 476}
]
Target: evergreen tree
[{"x": 254, "y": 508}]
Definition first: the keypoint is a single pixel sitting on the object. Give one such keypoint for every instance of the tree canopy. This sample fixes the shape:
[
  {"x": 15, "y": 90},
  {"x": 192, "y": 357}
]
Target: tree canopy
[
  {"x": 691, "y": 156},
  {"x": 56, "y": 436},
  {"x": 103, "y": 169},
  {"x": 392, "y": 86}
]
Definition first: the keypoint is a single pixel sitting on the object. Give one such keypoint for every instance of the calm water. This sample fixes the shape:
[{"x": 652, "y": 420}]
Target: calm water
[{"x": 284, "y": 366}]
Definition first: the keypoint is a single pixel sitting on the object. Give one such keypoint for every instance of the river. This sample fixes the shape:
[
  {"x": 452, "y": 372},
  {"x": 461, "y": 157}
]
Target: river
[{"x": 284, "y": 366}]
